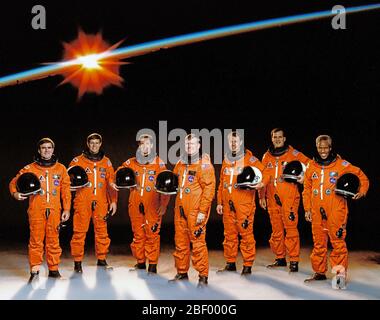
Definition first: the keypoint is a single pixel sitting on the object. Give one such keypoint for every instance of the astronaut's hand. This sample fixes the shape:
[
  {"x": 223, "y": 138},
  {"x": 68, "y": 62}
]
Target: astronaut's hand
[
  {"x": 263, "y": 203},
  {"x": 65, "y": 216},
  {"x": 358, "y": 196},
  {"x": 308, "y": 216},
  {"x": 18, "y": 196},
  {"x": 301, "y": 178},
  {"x": 259, "y": 186},
  {"x": 113, "y": 186},
  {"x": 200, "y": 218},
  {"x": 219, "y": 209},
  {"x": 113, "y": 208}
]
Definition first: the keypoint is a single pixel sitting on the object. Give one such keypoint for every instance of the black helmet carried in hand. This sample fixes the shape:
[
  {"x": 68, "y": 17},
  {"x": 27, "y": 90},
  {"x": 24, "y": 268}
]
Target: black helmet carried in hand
[
  {"x": 293, "y": 170},
  {"x": 166, "y": 182},
  {"x": 78, "y": 177},
  {"x": 125, "y": 178},
  {"x": 249, "y": 177},
  {"x": 347, "y": 185},
  {"x": 28, "y": 184}
]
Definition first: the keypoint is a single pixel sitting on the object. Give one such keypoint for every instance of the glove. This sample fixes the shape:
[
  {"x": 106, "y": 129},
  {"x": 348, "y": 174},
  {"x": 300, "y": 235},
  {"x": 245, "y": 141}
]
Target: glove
[{"x": 200, "y": 218}]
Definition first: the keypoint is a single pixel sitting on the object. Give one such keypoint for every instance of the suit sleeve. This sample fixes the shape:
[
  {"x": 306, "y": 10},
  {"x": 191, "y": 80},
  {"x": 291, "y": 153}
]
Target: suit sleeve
[
  {"x": 306, "y": 194},
  {"x": 208, "y": 183},
  {"x": 110, "y": 177},
  {"x": 263, "y": 191},
  {"x": 301, "y": 157},
  {"x": 364, "y": 181},
  {"x": 220, "y": 188},
  {"x": 65, "y": 190}
]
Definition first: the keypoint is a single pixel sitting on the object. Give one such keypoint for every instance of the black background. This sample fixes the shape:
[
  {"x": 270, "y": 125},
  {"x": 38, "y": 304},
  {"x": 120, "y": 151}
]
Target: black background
[{"x": 308, "y": 78}]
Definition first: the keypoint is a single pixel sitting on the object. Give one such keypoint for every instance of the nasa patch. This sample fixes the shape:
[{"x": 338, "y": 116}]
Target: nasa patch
[
  {"x": 295, "y": 152},
  {"x": 345, "y": 163},
  {"x": 75, "y": 160},
  {"x": 128, "y": 162},
  {"x": 332, "y": 180},
  {"x": 151, "y": 178},
  {"x": 252, "y": 159},
  {"x": 190, "y": 178},
  {"x": 103, "y": 175},
  {"x": 56, "y": 183},
  {"x": 162, "y": 165}
]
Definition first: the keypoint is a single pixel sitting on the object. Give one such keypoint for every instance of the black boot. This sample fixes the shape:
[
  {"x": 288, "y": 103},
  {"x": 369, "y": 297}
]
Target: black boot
[
  {"x": 34, "y": 275},
  {"x": 316, "y": 277},
  {"x": 246, "y": 271},
  {"x": 54, "y": 274},
  {"x": 104, "y": 264},
  {"x": 230, "y": 266},
  {"x": 138, "y": 266},
  {"x": 180, "y": 277},
  {"x": 202, "y": 282},
  {"x": 293, "y": 266},
  {"x": 278, "y": 263},
  {"x": 78, "y": 266},
  {"x": 152, "y": 268}
]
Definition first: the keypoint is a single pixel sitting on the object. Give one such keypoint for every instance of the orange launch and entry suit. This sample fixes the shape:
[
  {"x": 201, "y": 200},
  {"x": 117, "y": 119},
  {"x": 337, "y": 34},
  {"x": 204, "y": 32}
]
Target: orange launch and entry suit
[
  {"x": 283, "y": 200},
  {"x": 329, "y": 211},
  {"x": 196, "y": 190},
  {"x": 44, "y": 212},
  {"x": 92, "y": 201},
  {"x": 144, "y": 203},
  {"x": 238, "y": 209}
]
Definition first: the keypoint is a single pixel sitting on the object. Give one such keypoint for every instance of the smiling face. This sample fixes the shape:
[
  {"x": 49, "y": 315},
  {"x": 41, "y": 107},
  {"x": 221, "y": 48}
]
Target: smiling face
[
  {"x": 94, "y": 145},
  {"x": 278, "y": 139},
  {"x": 323, "y": 149},
  {"x": 46, "y": 150}
]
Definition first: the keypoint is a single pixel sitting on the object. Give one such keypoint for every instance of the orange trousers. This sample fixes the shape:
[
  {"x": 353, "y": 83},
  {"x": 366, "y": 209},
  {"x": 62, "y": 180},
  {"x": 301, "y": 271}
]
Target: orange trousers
[
  {"x": 185, "y": 239},
  {"x": 82, "y": 214},
  {"x": 146, "y": 242},
  {"x": 42, "y": 228},
  {"x": 285, "y": 238},
  {"x": 233, "y": 226}
]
